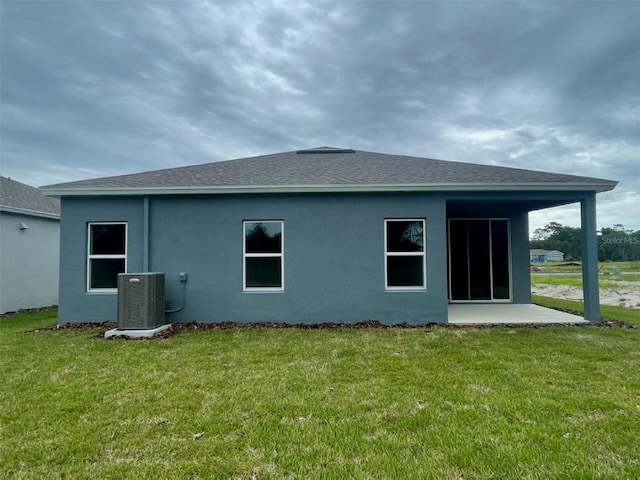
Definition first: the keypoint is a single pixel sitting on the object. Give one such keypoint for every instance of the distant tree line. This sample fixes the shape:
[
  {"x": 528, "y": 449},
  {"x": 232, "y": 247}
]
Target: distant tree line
[
  {"x": 618, "y": 245},
  {"x": 615, "y": 244}
]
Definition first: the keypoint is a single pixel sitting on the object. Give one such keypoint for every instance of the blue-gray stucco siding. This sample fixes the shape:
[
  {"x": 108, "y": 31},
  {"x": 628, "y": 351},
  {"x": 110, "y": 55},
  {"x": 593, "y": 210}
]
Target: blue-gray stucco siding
[{"x": 333, "y": 256}]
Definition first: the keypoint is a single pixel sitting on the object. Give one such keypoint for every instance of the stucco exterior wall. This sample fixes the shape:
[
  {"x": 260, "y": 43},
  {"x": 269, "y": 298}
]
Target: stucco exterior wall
[
  {"x": 29, "y": 260},
  {"x": 333, "y": 257},
  {"x": 333, "y": 254},
  {"x": 76, "y": 305}
]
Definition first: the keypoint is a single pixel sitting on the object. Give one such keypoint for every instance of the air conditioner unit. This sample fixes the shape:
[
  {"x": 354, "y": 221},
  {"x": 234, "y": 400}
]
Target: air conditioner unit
[{"x": 140, "y": 300}]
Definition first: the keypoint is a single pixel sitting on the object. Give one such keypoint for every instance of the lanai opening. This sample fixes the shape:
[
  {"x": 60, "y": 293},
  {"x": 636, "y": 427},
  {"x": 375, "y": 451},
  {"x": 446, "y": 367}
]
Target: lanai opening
[{"x": 488, "y": 247}]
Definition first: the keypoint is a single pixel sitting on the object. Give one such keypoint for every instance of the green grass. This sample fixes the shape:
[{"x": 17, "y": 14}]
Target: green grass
[
  {"x": 612, "y": 279},
  {"x": 633, "y": 266},
  {"x": 604, "y": 267},
  {"x": 608, "y": 282},
  {"x": 612, "y": 312},
  {"x": 573, "y": 281},
  {"x": 556, "y": 402},
  {"x": 556, "y": 267}
]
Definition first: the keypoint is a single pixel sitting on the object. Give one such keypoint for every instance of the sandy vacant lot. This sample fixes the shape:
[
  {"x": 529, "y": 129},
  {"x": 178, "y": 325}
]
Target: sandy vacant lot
[{"x": 626, "y": 295}]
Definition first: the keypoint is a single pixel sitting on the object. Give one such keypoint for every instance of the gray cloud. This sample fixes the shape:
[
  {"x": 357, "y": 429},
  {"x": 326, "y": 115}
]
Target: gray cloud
[{"x": 100, "y": 88}]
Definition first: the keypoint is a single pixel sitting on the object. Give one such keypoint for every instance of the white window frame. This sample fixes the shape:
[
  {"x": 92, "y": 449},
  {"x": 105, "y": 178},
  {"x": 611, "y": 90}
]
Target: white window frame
[
  {"x": 422, "y": 254},
  {"x": 246, "y": 255},
  {"x": 118, "y": 256}
]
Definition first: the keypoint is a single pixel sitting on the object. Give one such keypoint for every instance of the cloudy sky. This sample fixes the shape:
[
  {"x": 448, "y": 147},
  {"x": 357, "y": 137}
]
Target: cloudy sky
[{"x": 97, "y": 88}]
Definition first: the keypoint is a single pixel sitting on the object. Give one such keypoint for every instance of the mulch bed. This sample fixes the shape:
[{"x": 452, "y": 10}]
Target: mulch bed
[{"x": 175, "y": 328}]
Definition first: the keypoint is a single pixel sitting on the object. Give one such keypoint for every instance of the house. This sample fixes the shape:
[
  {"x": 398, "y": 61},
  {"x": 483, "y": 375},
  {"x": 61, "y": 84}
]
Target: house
[
  {"x": 539, "y": 255},
  {"x": 29, "y": 247},
  {"x": 317, "y": 235},
  {"x": 554, "y": 256}
]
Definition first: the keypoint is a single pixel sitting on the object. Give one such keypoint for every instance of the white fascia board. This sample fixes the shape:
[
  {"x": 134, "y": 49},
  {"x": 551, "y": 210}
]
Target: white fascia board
[
  {"x": 236, "y": 189},
  {"x": 31, "y": 213}
]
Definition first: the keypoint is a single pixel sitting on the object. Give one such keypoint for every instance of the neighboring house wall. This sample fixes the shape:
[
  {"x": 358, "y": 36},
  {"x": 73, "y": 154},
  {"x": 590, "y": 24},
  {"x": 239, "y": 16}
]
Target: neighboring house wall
[
  {"x": 28, "y": 261},
  {"x": 554, "y": 256},
  {"x": 538, "y": 255},
  {"x": 333, "y": 256}
]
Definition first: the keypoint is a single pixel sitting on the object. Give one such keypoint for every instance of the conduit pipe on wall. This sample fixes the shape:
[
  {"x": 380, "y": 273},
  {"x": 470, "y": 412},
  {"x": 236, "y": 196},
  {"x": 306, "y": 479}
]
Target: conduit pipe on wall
[{"x": 184, "y": 295}]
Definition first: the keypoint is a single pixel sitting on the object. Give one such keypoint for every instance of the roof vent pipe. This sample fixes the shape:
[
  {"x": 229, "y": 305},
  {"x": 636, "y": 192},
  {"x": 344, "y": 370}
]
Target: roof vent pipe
[{"x": 326, "y": 150}]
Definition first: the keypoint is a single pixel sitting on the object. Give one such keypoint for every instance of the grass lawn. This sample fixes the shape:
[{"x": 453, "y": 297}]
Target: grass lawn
[
  {"x": 613, "y": 312},
  {"x": 604, "y": 282},
  {"x": 554, "y": 402},
  {"x": 605, "y": 268}
]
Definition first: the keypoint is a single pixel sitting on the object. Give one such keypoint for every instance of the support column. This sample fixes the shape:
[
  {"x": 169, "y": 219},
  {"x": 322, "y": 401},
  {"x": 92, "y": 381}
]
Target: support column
[
  {"x": 520, "y": 264},
  {"x": 589, "y": 251}
]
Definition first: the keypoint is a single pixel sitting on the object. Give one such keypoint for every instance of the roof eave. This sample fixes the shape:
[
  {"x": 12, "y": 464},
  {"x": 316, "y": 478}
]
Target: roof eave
[
  {"x": 336, "y": 188},
  {"x": 31, "y": 213}
]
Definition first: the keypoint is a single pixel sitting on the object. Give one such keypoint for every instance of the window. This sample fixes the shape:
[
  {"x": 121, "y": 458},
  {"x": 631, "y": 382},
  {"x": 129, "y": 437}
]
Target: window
[
  {"x": 405, "y": 262},
  {"x": 107, "y": 255},
  {"x": 263, "y": 255}
]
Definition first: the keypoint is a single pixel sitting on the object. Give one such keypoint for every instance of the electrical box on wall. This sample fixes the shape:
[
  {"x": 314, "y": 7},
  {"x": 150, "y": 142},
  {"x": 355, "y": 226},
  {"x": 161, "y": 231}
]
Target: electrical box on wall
[{"x": 140, "y": 300}]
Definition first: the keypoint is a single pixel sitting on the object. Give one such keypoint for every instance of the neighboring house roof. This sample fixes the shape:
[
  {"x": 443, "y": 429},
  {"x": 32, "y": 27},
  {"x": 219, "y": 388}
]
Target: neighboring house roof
[
  {"x": 326, "y": 169},
  {"x": 541, "y": 251},
  {"x": 16, "y": 197}
]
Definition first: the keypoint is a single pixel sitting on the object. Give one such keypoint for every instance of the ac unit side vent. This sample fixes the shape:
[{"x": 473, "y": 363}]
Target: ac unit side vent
[{"x": 140, "y": 300}]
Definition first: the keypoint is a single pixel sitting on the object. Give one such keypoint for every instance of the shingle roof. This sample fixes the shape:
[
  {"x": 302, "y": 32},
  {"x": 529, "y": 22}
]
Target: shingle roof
[
  {"x": 542, "y": 251},
  {"x": 20, "y": 198},
  {"x": 327, "y": 168}
]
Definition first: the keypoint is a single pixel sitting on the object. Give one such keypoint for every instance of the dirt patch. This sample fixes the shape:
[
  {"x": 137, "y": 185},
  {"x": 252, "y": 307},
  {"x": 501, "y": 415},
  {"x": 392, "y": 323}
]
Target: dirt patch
[{"x": 626, "y": 295}]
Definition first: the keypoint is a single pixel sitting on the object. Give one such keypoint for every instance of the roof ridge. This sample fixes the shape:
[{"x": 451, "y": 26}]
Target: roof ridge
[{"x": 306, "y": 169}]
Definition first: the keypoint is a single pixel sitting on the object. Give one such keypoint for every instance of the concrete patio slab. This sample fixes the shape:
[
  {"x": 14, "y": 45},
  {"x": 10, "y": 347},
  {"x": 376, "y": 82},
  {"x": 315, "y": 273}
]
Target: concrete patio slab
[{"x": 492, "y": 314}]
